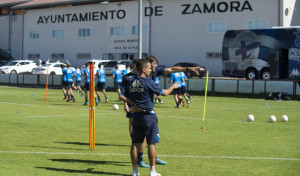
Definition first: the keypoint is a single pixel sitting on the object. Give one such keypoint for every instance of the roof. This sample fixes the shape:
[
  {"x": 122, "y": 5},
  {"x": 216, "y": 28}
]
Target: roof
[
  {"x": 34, "y": 4},
  {"x": 9, "y": 3}
]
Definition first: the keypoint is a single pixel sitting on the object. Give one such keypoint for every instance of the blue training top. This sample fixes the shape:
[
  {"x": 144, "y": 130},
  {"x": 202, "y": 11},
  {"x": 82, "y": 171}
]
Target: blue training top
[
  {"x": 64, "y": 72},
  {"x": 141, "y": 91},
  {"x": 183, "y": 77},
  {"x": 156, "y": 80},
  {"x": 118, "y": 76},
  {"x": 176, "y": 78},
  {"x": 159, "y": 71},
  {"x": 78, "y": 75},
  {"x": 101, "y": 73},
  {"x": 87, "y": 72},
  {"x": 70, "y": 73}
]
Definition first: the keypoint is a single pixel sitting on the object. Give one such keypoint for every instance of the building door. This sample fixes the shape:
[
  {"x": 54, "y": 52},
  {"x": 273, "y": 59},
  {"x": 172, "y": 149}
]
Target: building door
[{"x": 283, "y": 63}]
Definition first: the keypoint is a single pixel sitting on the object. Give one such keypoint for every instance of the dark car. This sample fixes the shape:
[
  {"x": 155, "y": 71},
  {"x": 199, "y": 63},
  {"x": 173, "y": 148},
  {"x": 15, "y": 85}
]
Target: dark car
[{"x": 202, "y": 70}]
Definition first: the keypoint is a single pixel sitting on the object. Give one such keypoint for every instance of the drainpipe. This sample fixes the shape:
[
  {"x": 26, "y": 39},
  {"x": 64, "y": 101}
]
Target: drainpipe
[
  {"x": 9, "y": 32},
  {"x": 149, "y": 27},
  {"x": 140, "y": 23},
  {"x": 23, "y": 17}
]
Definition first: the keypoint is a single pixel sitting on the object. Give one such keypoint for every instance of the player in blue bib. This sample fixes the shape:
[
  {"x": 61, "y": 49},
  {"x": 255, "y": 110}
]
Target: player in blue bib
[
  {"x": 176, "y": 77},
  {"x": 125, "y": 72},
  {"x": 140, "y": 93},
  {"x": 101, "y": 83},
  {"x": 78, "y": 80},
  {"x": 183, "y": 88},
  {"x": 86, "y": 73},
  {"x": 117, "y": 76},
  {"x": 64, "y": 81},
  {"x": 156, "y": 97},
  {"x": 69, "y": 74}
]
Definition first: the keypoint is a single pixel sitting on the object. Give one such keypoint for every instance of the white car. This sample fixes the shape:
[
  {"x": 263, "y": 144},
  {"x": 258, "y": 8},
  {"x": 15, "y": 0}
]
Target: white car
[
  {"x": 54, "y": 69},
  {"x": 18, "y": 66},
  {"x": 109, "y": 65}
]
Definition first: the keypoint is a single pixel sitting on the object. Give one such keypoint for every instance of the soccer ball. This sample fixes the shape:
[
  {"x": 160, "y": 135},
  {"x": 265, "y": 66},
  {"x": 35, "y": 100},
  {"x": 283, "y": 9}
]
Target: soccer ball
[
  {"x": 250, "y": 118},
  {"x": 284, "y": 118},
  {"x": 115, "y": 107},
  {"x": 272, "y": 118}
]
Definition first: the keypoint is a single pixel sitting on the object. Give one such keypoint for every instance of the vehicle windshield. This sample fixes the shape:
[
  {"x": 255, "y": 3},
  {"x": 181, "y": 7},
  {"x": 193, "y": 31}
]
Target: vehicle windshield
[
  {"x": 12, "y": 63},
  {"x": 46, "y": 65}
]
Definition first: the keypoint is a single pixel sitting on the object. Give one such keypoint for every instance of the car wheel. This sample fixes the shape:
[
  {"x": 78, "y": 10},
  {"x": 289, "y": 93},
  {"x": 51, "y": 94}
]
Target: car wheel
[
  {"x": 13, "y": 72},
  {"x": 52, "y": 73},
  {"x": 265, "y": 74},
  {"x": 251, "y": 73},
  {"x": 32, "y": 71}
]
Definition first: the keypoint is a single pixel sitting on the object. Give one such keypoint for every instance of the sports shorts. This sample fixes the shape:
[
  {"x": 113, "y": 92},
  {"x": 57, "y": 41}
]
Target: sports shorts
[
  {"x": 101, "y": 86},
  {"x": 145, "y": 126},
  {"x": 183, "y": 89},
  {"x": 177, "y": 91}
]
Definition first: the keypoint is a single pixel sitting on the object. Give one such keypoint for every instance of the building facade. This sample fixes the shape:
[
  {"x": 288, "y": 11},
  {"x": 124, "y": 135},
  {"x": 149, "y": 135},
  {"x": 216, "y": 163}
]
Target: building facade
[{"x": 173, "y": 30}]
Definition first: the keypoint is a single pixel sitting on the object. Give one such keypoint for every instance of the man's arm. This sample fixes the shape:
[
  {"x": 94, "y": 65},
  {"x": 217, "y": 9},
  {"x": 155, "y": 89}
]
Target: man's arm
[
  {"x": 180, "y": 69},
  {"x": 169, "y": 90}
]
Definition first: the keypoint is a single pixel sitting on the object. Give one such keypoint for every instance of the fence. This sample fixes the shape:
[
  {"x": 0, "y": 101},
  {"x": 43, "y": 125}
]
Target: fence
[{"x": 215, "y": 85}]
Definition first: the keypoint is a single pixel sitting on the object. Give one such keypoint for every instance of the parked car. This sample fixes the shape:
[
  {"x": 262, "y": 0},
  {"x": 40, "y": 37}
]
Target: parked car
[
  {"x": 4, "y": 62},
  {"x": 125, "y": 62},
  {"x": 109, "y": 67},
  {"x": 202, "y": 70},
  {"x": 18, "y": 66},
  {"x": 54, "y": 69}
]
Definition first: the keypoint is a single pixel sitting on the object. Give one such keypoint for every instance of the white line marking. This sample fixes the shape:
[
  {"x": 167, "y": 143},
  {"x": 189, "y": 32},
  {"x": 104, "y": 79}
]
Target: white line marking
[{"x": 169, "y": 156}]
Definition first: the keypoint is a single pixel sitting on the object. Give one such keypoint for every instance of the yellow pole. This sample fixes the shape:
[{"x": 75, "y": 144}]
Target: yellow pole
[{"x": 205, "y": 95}]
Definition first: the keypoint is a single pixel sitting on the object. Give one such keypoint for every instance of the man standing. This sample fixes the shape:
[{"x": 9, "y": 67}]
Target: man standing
[
  {"x": 140, "y": 93},
  {"x": 183, "y": 88},
  {"x": 101, "y": 83}
]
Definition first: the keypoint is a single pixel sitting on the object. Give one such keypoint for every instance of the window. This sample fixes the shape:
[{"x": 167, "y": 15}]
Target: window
[
  {"x": 58, "y": 33},
  {"x": 84, "y": 32},
  {"x": 33, "y": 56},
  {"x": 257, "y": 24},
  {"x": 83, "y": 55},
  {"x": 34, "y": 34},
  {"x": 218, "y": 26},
  {"x": 59, "y": 56},
  {"x": 135, "y": 30},
  {"x": 117, "y": 31},
  {"x": 213, "y": 55}
]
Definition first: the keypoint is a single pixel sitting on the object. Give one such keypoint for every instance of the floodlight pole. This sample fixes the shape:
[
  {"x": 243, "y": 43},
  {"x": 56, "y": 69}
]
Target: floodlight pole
[{"x": 140, "y": 23}]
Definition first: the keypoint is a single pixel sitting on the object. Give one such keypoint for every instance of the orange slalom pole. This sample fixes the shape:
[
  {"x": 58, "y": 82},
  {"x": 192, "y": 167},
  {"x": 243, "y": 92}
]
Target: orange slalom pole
[
  {"x": 90, "y": 110},
  {"x": 93, "y": 104},
  {"x": 46, "y": 87}
]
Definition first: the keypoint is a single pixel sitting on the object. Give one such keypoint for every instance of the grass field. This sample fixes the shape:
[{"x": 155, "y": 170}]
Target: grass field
[{"x": 35, "y": 140}]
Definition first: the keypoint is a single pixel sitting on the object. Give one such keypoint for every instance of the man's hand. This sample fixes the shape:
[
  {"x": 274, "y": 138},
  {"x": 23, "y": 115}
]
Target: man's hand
[
  {"x": 126, "y": 107},
  {"x": 175, "y": 85}
]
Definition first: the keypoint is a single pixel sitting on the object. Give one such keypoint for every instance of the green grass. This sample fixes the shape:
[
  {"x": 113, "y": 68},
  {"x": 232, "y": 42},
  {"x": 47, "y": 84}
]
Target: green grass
[{"x": 35, "y": 140}]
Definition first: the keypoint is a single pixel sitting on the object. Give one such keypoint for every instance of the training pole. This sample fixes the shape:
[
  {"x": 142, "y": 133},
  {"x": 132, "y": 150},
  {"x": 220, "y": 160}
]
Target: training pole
[
  {"x": 92, "y": 107},
  {"x": 205, "y": 95},
  {"x": 46, "y": 87}
]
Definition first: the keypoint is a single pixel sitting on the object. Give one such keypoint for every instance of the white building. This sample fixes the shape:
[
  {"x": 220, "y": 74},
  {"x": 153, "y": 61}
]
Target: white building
[{"x": 173, "y": 30}]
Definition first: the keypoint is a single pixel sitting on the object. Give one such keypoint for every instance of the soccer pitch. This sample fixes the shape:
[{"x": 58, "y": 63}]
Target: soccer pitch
[{"x": 55, "y": 140}]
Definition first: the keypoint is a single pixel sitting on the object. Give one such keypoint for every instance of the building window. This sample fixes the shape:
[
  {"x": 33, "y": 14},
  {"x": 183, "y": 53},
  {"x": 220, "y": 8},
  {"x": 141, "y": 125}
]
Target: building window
[
  {"x": 58, "y": 33},
  {"x": 135, "y": 30},
  {"x": 218, "y": 26},
  {"x": 257, "y": 24},
  {"x": 117, "y": 31},
  {"x": 84, "y": 32},
  {"x": 34, "y": 34},
  {"x": 59, "y": 56},
  {"x": 33, "y": 56},
  {"x": 84, "y": 56},
  {"x": 213, "y": 55}
]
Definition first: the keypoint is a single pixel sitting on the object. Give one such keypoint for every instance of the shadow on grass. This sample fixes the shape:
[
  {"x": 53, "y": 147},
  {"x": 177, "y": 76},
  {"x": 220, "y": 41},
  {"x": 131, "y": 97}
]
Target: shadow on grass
[
  {"x": 88, "y": 171},
  {"x": 93, "y": 162},
  {"x": 63, "y": 148},
  {"x": 97, "y": 144}
]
